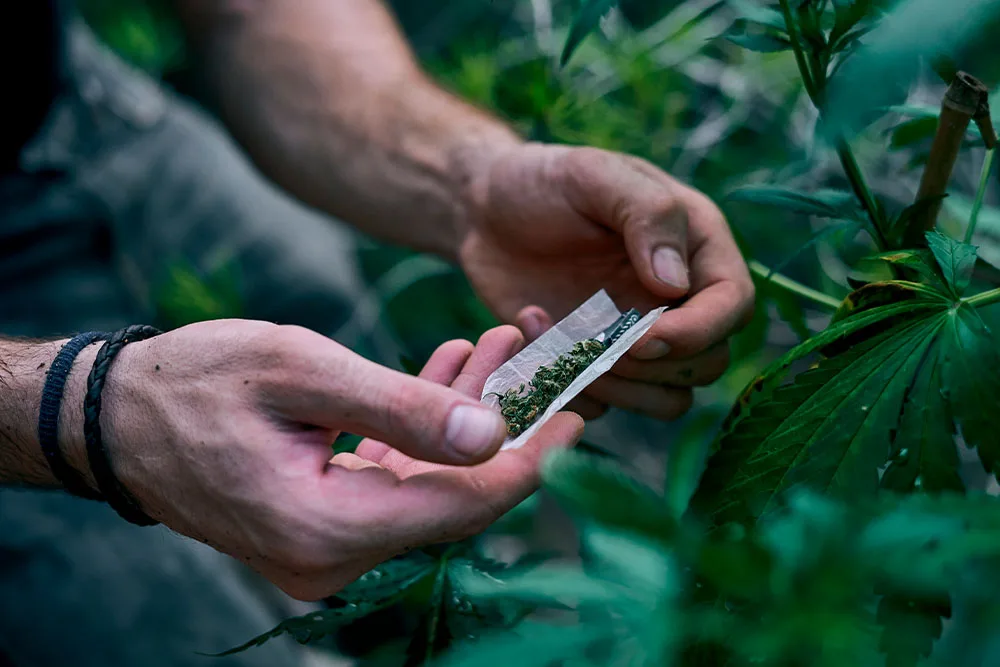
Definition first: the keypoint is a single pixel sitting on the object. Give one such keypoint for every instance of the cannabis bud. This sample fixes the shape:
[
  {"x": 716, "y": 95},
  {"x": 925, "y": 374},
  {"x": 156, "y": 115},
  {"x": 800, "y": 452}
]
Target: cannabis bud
[{"x": 521, "y": 407}]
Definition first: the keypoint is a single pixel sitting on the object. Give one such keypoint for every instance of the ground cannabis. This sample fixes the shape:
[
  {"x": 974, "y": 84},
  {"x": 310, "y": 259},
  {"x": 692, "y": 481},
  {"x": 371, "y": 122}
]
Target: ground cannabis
[{"x": 520, "y": 408}]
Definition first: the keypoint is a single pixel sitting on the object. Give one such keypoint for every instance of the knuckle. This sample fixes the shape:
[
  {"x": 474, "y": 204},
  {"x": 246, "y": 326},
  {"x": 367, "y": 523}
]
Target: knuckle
[{"x": 718, "y": 362}]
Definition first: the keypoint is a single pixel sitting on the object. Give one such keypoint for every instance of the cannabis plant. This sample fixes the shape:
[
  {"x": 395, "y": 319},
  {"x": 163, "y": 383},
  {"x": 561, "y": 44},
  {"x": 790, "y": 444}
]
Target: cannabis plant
[{"x": 830, "y": 523}]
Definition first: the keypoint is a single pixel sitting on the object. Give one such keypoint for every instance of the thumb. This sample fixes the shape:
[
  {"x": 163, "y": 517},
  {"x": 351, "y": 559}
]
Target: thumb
[
  {"x": 656, "y": 241},
  {"x": 420, "y": 418},
  {"x": 644, "y": 205}
]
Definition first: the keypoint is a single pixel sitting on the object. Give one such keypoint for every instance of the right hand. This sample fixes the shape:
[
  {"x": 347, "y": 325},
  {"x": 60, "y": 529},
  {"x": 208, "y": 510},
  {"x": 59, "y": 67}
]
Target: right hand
[{"x": 222, "y": 431}]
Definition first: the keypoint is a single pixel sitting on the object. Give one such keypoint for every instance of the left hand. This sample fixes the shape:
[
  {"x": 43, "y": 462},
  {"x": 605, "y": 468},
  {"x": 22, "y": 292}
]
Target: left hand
[{"x": 554, "y": 224}]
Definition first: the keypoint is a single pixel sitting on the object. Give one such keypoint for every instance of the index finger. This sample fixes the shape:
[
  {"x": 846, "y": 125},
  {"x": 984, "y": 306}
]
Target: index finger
[{"x": 722, "y": 292}]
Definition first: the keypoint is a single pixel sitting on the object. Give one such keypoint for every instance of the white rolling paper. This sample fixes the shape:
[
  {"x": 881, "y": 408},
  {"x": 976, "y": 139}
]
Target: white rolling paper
[{"x": 590, "y": 319}]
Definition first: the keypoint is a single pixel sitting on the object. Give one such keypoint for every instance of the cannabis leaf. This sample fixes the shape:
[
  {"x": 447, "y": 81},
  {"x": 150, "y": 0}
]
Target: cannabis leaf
[
  {"x": 956, "y": 259},
  {"x": 598, "y": 489},
  {"x": 857, "y": 318},
  {"x": 377, "y": 589},
  {"x": 910, "y": 626},
  {"x": 310, "y": 627},
  {"x": 971, "y": 374},
  {"x": 904, "y": 362},
  {"x": 828, "y": 430}
]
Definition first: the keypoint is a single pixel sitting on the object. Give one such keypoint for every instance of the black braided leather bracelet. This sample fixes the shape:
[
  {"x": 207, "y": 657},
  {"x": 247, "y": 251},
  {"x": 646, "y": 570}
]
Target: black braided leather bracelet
[
  {"x": 48, "y": 414},
  {"x": 114, "y": 491}
]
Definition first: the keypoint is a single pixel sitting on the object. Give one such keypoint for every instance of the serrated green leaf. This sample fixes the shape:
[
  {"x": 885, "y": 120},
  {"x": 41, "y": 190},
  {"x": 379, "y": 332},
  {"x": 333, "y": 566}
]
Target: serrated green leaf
[
  {"x": 586, "y": 20},
  {"x": 310, "y": 627},
  {"x": 764, "y": 42},
  {"x": 851, "y": 322},
  {"x": 828, "y": 430},
  {"x": 971, "y": 381},
  {"x": 910, "y": 626},
  {"x": 390, "y": 579},
  {"x": 923, "y": 455},
  {"x": 822, "y": 203},
  {"x": 599, "y": 490},
  {"x": 956, "y": 259}
]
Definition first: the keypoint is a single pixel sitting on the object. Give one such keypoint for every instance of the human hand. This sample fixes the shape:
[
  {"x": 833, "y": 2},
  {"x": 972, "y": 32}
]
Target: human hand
[
  {"x": 554, "y": 224},
  {"x": 222, "y": 431}
]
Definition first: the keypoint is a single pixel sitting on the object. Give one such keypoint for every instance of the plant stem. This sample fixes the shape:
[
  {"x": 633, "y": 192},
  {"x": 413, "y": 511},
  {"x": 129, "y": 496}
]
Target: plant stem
[
  {"x": 800, "y": 56},
  {"x": 793, "y": 286},
  {"x": 861, "y": 190},
  {"x": 857, "y": 179},
  {"x": 977, "y": 205},
  {"x": 984, "y": 298}
]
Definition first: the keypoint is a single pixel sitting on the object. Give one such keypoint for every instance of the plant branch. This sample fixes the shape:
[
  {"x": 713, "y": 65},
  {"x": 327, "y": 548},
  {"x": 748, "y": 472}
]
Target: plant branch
[
  {"x": 800, "y": 56},
  {"x": 861, "y": 190},
  {"x": 854, "y": 175},
  {"x": 977, "y": 205},
  {"x": 793, "y": 286},
  {"x": 960, "y": 105},
  {"x": 984, "y": 298}
]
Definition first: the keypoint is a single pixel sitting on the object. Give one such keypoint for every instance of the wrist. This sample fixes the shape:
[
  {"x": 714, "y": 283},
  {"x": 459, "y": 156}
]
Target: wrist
[
  {"x": 472, "y": 158},
  {"x": 23, "y": 368}
]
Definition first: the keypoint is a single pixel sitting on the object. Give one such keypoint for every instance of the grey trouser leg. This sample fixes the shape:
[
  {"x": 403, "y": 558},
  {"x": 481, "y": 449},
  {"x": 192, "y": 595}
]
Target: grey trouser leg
[{"x": 124, "y": 182}]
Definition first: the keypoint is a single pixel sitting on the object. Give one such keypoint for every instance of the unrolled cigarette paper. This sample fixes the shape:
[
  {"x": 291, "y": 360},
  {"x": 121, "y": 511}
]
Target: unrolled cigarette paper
[{"x": 595, "y": 315}]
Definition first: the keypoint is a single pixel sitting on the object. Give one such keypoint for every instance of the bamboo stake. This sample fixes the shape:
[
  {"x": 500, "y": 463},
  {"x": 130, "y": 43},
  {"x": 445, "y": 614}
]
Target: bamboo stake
[{"x": 964, "y": 101}]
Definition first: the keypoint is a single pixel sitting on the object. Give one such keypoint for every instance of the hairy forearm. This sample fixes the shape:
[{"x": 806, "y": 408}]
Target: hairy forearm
[
  {"x": 329, "y": 101},
  {"x": 23, "y": 366}
]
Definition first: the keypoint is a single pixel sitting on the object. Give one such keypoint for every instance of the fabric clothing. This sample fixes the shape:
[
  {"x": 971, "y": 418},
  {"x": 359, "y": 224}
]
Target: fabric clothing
[{"x": 123, "y": 181}]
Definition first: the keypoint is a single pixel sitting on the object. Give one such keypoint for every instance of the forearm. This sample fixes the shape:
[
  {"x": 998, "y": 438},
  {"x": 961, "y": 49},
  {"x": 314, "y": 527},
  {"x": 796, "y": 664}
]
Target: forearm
[
  {"x": 329, "y": 101},
  {"x": 23, "y": 367}
]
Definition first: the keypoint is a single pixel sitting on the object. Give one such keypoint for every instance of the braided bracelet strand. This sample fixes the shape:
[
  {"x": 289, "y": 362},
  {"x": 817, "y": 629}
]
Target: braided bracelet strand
[
  {"x": 115, "y": 493},
  {"x": 48, "y": 414}
]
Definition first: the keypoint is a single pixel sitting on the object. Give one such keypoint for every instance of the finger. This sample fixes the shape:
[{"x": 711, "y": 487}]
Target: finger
[
  {"x": 533, "y": 321},
  {"x": 640, "y": 203},
  {"x": 722, "y": 292},
  {"x": 702, "y": 369},
  {"x": 337, "y": 389},
  {"x": 372, "y": 450},
  {"x": 447, "y": 362},
  {"x": 587, "y": 407},
  {"x": 443, "y": 367},
  {"x": 352, "y": 461},
  {"x": 649, "y": 399},
  {"x": 449, "y": 504},
  {"x": 492, "y": 349}
]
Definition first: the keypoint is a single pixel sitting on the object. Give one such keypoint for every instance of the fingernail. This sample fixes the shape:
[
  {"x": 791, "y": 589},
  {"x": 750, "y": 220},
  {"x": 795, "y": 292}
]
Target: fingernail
[
  {"x": 653, "y": 349},
  {"x": 669, "y": 267},
  {"x": 531, "y": 326},
  {"x": 473, "y": 430}
]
